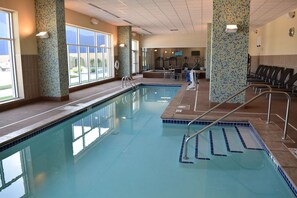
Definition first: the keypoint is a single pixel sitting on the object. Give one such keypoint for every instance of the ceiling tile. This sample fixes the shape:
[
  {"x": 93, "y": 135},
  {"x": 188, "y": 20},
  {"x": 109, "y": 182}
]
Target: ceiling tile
[{"x": 159, "y": 16}]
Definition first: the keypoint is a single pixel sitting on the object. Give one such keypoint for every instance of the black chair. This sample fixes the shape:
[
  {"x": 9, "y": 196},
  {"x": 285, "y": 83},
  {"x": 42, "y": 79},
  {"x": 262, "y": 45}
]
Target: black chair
[
  {"x": 288, "y": 86},
  {"x": 271, "y": 79},
  {"x": 286, "y": 81},
  {"x": 266, "y": 77},
  {"x": 258, "y": 70},
  {"x": 285, "y": 76},
  {"x": 277, "y": 72},
  {"x": 260, "y": 75}
]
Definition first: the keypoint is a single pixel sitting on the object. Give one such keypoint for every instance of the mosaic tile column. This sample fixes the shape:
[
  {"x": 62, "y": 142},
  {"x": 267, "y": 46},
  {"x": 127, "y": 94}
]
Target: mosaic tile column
[
  {"x": 208, "y": 51},
  {"x": 52, "y": 61},
  {"x": 125, "y": 53},
  {"x": 229, "y": 50}
]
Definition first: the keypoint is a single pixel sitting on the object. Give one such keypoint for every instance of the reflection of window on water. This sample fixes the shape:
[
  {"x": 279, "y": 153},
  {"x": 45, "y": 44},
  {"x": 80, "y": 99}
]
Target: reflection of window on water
[
  {"x": 12, "y": 175},
  {"x": 92, "y": 127},
  {"x": 136, "y": 101}
]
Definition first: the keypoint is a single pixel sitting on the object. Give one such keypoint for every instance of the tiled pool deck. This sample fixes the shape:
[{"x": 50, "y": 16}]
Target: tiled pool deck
[{"x": 187, "y": 105}]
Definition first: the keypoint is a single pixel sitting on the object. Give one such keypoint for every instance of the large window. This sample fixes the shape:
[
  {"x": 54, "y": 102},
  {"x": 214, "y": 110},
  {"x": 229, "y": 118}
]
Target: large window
[
  {"x": 144, "y": 59},
  {"x": 8, "y": 88},
  {"x": 135, "y": 58},
  {"x": 89, "y": 55}
]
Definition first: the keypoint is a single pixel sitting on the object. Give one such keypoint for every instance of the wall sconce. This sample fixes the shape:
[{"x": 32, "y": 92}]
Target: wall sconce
[
  {"x": 231, "y": 28},
  {"x": 43, "y": 35},
  {"x": 122, "y": 45},
  {"x": 94, "y": 21}
]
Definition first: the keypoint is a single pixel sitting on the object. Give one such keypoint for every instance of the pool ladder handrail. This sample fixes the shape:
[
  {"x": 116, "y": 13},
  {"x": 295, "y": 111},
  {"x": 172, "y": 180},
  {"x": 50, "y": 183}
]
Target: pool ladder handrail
[
  {"x": 226, "y": 100},
  {"x": 242, "y": 105},
  {"x": 126, "y": 79}
]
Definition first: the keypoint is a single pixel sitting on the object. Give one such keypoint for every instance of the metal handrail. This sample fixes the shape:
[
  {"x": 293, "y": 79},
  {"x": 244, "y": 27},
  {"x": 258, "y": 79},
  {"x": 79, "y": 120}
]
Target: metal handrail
[
  {"x": 233, "y": 96},
  {"x": 124, "y": 82},
  {"x": 129, "y": 79},
  {"x": 242, "y": 105}
]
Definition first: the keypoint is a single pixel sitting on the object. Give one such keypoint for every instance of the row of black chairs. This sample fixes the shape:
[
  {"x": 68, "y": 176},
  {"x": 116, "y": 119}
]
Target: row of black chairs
[{"x": 279, "y": 78}]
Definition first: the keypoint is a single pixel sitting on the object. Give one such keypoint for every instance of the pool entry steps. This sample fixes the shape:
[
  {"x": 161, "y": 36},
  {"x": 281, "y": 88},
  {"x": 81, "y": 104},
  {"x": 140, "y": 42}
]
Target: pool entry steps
[{"x": 219, "y": 142}]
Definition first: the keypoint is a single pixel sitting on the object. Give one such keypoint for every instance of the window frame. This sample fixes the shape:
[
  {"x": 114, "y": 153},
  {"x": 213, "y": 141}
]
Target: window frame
[
  {"x": 12, "y": 56},
  {"x": 103, "y": 49}
]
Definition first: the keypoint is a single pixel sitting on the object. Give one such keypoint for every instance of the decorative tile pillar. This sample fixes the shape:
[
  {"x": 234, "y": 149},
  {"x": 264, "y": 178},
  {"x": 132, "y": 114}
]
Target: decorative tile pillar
[
  {"x": 125, "y": 53},
  {"x": 52, "y": 51},
  {"x": 208, "y": 51},
  {"x": 229, "y": 50}
]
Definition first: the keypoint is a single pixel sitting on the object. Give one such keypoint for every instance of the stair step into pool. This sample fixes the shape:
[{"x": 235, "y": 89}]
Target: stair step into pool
[{"x": 218, "y": 142}]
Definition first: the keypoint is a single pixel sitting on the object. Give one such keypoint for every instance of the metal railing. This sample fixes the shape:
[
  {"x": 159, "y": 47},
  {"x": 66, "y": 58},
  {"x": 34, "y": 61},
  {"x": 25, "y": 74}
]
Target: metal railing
[
  {"x": 242, "y": 105},
  {"x": 126, "y": 79},
  {"x": 231, "y": 97}
]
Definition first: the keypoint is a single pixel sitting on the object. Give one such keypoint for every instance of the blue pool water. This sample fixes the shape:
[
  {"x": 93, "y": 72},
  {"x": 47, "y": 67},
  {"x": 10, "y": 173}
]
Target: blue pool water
[{"x": 122, "y": 149}]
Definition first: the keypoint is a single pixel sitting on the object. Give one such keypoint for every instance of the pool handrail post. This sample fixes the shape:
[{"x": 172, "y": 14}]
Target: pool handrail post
[
  {"x": 269, "y": 109},
  {"x": 242, "y": 105},
  {"x": 124, "y": 82},
  {"x": 287, "y": 116},
  {"x": 229, "y": 98}
]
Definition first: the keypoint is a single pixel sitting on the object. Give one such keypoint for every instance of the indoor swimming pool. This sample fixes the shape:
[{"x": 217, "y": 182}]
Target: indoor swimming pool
[{"x": 121, "y": 148}]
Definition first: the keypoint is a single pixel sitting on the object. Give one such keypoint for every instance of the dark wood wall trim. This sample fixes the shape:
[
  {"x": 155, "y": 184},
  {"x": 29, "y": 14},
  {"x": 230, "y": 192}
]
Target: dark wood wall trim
[
  {"x": 17, "y": 103},
  {"x": 81, "y": 87},
  {"x": 57, "y": 99}
]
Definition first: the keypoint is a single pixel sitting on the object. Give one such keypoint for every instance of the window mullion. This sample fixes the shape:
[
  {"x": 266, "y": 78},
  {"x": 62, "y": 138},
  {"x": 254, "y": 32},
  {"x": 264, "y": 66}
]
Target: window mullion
[{"x": 103, "y": 49}]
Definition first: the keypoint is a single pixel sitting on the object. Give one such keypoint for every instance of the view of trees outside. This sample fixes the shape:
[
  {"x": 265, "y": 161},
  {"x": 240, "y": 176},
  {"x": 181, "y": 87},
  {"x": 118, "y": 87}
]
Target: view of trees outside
[
  {"x": 7, "y": 81},
  {"x": 89, "y": 55}
]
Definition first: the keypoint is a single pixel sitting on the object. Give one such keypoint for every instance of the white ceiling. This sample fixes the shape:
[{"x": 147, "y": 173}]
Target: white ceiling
[{"x": 165, "y": 16}]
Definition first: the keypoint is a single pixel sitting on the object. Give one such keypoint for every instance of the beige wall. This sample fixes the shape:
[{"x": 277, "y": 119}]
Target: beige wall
[
  {"x": 174, "y": 40},
  {"x": 277, "y": 47},
  {"x": 274, "y": 38},
  {"x": 25, "y": 10},
  {"x": 81, "y": 20}
]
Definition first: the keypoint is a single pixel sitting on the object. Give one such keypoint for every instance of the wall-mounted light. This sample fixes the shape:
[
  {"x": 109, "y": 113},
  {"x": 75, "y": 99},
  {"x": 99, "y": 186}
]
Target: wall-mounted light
[
  {"x": 42, "y": 35},
  {"x": 231, "y": 28},
  {"x": 94, "y": 21},
  {"x": 122, "y": 45}
]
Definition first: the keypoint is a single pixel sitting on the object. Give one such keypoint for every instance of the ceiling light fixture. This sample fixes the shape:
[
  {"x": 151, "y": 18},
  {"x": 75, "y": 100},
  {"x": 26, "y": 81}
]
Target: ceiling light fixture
[{"x": 94, "y": 21}]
